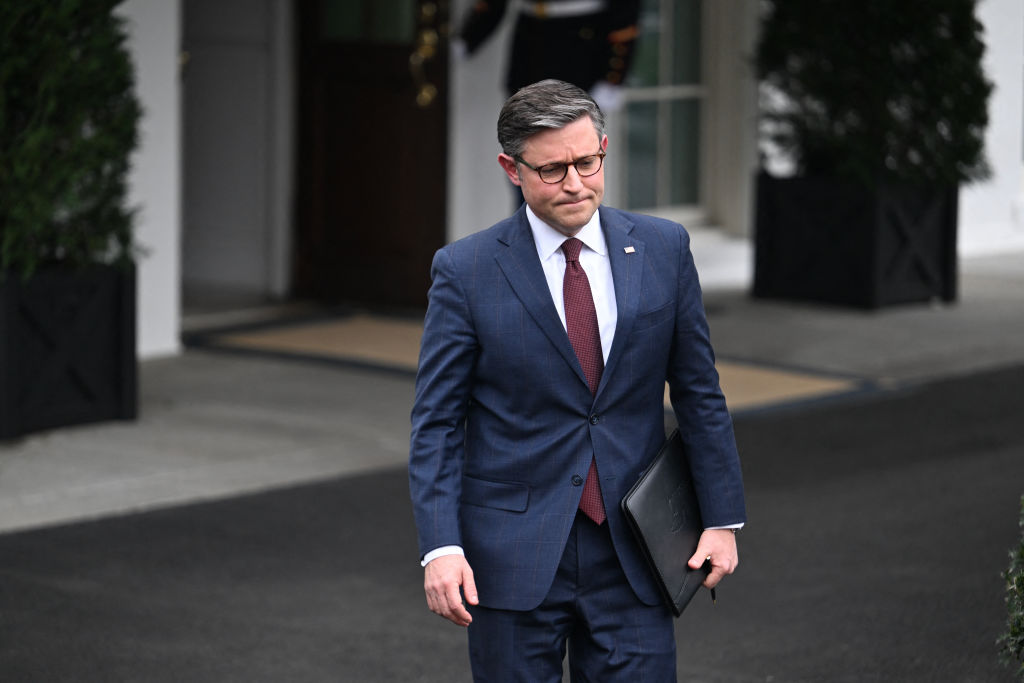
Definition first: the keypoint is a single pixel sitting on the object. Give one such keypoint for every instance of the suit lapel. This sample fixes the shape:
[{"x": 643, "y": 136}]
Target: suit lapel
[
  {"x": 626, "y": 256},
  {"x": 521, "y": 266}
]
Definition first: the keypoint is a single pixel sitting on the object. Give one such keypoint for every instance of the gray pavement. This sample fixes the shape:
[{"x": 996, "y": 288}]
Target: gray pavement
[
  {"x": 210, "y": 425},
  {"x": 216, "y": 425},
  {"x": 213, "y": 425},
  {"x": 879, "y": 526},
  {"x": 897, "y": 345}
]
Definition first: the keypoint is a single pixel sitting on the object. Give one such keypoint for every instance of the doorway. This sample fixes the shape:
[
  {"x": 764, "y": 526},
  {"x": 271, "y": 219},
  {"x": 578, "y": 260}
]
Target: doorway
[{"x": 372, "y": 150}]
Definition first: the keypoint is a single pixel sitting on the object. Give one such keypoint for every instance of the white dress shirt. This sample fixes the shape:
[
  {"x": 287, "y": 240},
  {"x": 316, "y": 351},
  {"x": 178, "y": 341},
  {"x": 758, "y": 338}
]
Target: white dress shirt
[{"x": 595, "y": 263}]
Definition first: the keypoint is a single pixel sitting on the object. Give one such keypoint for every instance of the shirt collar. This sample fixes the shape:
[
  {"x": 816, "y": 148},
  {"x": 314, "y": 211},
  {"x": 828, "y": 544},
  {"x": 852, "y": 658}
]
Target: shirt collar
[{"x": 549, "y": 240}]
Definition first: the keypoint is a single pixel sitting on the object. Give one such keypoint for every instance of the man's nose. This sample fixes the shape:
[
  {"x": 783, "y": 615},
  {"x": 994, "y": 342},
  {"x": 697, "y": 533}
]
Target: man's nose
[{"x": 572, "y": 180}]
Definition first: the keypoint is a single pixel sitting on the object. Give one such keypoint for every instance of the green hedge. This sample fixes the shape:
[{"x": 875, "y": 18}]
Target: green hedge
[
  {"x": 1012, "y": 642},
  {"x": 68, "y": 125},
  {"x": 875, "y": 89}
]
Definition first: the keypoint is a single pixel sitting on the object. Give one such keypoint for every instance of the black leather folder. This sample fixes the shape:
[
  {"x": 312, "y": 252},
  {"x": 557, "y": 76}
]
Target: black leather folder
[{"x": 662, "y": 509}]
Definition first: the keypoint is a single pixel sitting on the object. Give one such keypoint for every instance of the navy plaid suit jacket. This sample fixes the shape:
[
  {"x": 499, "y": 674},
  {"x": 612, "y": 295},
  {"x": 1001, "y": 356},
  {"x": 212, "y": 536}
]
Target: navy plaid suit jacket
[{"x": 504, "y": 426}]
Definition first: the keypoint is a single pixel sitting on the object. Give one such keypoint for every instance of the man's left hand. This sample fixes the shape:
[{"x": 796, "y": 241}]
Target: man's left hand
[{"x": 720, "y": 546}]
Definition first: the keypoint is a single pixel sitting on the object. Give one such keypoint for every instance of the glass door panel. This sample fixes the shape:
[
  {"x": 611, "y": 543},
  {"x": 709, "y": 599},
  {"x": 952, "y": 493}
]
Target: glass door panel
[
  {"x": 684, "y": 157},
  {"x": 664, "y": 98}
]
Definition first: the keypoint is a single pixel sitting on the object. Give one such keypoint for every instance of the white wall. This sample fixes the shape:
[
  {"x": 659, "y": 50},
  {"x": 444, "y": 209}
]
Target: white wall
[
  {"x": 237, "y": 148},
  {"x": 478, "y": 192},
  {"x": 992, "y": 213},
  {"x": 155, "y": 186},
  {"x": 729, "y": 162},
  {"x": 281, "y": 203}
]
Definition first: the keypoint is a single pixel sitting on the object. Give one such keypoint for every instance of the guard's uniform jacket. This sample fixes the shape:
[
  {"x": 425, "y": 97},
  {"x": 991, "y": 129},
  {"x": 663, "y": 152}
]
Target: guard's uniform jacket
[{"x": 577, "y": 41}]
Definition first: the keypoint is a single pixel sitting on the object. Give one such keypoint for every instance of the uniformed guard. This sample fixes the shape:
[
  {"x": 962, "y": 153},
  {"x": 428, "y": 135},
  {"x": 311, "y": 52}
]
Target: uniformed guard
[{"x": 588, "y": 43}]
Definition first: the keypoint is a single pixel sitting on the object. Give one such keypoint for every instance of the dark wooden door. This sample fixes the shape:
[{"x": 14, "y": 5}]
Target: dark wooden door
[{"x": 372, "y": 149}]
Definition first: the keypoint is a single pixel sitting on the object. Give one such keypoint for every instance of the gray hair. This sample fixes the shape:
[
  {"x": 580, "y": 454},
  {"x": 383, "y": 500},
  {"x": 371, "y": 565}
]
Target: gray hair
[{"x": 544, "y": 105}]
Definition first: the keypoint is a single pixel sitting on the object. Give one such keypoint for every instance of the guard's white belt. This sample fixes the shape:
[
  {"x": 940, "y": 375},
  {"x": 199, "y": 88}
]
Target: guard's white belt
[{"x": 558, "y": 10}]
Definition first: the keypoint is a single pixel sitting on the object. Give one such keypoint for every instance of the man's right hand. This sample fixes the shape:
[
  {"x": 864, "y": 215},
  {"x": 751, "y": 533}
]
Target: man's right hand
[{"x": 442, "y": 579}]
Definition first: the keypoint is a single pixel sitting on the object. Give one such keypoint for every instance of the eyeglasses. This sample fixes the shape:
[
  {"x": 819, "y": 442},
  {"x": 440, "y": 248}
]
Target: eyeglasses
[{"x": 555, "y": 173}]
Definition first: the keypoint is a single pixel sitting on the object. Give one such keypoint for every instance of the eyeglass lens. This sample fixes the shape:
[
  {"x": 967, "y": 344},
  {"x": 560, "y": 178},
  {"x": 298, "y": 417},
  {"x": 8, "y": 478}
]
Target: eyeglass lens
[{"x": 585, "y": 166}]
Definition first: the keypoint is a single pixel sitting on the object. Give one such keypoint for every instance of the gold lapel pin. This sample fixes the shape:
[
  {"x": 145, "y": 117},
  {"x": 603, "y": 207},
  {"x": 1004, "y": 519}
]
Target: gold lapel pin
[{"x": 629, "y": 250}]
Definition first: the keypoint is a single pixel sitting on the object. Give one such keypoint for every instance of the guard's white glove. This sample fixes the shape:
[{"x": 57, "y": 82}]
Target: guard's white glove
[{"x": 607, "y": 96}]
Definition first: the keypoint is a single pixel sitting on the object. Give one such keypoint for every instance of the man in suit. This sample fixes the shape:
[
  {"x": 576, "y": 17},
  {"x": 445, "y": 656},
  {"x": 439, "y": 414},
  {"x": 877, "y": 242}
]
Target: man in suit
[{"x": 540, "y": 401}]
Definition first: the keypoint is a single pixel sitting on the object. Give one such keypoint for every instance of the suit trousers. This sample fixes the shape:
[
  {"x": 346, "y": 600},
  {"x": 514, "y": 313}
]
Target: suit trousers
[{"x": 591, "y": 610}]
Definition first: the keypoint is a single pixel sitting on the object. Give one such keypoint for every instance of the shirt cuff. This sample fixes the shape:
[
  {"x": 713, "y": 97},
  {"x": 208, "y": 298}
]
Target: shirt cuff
[
  {"x": 734, "y": 527},
  {"x": 440, "y": 552}
]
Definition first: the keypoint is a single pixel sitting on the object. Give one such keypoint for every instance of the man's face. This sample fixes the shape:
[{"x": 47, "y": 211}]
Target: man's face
[{"x": 567, "y": 205}]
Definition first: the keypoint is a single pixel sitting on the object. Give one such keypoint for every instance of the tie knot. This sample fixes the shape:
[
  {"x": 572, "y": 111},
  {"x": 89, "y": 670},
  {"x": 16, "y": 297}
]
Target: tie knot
[{"x": 571, "y": 248}]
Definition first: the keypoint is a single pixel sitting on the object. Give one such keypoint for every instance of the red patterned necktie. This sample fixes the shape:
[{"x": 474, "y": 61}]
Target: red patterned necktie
[{"x": 585, "y": 336}]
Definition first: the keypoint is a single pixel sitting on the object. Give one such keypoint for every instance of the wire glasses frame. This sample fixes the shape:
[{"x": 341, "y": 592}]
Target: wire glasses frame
[{"x": 555, "y": 173}]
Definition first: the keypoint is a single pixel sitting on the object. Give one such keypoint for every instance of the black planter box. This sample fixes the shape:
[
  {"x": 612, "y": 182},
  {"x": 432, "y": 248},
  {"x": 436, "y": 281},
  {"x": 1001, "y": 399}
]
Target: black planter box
[
  {"x": 818, "y": 239},
  {"x": 67, "y": 348}
]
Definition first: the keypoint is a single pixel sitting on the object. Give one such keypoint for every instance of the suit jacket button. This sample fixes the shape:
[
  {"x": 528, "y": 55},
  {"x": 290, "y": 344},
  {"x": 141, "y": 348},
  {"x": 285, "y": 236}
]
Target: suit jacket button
[
  {"x": 594, "y": 419},
  {"x": 577, "y": 480}
]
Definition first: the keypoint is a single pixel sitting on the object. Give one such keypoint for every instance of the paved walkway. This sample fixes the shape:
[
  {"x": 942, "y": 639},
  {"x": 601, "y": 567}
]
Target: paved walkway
[
  {"x": 881, "y": 516},
  {"x": 214, "y": 424},
  {"x": 879, "y": 526}
]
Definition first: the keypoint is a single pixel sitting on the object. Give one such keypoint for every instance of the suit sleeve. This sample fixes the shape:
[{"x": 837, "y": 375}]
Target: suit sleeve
[
  {"x": 699, "y": 405},
  {"x": 448, "y": 353}
]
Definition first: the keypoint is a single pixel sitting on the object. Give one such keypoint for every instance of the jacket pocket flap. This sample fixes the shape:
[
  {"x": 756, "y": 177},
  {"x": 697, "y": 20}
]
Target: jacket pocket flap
[
  {"x": 648, "y": 319},
  {"x": 495, "y": 494}
]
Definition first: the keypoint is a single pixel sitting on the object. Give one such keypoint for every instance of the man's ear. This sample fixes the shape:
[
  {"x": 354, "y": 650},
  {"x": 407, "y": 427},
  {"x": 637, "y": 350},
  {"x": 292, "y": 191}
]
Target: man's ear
[
  {"x": 511, "y": 168},
  {"x": 604, "y": 144}
]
